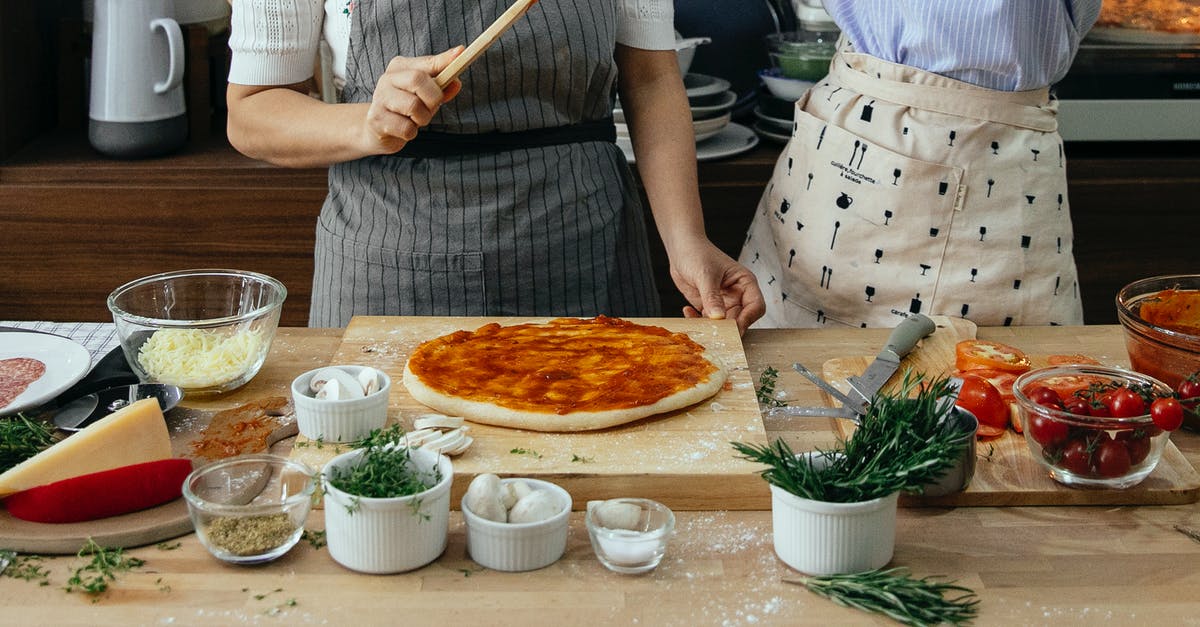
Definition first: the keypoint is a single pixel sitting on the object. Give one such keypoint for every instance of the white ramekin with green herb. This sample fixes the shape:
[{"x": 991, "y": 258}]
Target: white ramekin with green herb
[{"x": 387, "y": 507}]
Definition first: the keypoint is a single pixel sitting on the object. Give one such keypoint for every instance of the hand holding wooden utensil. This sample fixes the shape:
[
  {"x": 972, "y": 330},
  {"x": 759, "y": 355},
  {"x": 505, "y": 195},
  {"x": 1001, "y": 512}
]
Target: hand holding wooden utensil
[{"x": 483, "y": 42}]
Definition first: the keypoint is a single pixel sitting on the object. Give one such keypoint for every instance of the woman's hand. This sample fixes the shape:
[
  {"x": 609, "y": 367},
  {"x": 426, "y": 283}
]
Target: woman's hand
[
  {"x": 716, "y": 285},
  {"x": 405, "y": 100}
]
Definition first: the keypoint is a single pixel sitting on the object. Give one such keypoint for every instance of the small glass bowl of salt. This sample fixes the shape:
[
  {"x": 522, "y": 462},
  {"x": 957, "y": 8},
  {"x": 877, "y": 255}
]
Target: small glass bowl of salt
[{"x": 629, "y": 535}]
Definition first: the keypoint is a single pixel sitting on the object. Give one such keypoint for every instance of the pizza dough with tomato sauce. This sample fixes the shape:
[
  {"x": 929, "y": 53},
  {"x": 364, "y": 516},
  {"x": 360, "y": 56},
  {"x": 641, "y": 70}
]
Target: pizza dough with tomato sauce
[{"x": 567, "y": 374}]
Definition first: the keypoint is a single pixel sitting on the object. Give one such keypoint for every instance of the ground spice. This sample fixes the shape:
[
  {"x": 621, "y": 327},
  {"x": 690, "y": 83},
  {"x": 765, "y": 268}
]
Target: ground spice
[{"x": 250, "y": 535}]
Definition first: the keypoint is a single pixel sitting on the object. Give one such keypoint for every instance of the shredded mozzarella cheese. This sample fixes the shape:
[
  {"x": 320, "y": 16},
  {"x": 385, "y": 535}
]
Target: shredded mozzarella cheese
[{"x": 199, "y": 358}]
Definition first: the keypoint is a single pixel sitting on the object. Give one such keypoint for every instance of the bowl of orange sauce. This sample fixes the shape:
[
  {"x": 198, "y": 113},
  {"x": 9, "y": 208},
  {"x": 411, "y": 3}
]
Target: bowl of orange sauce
[{"x": 1161, "y": 319}]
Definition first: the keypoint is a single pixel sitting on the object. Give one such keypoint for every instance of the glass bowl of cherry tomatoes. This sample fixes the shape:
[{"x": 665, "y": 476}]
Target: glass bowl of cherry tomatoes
[
  {"x": 1161, "y": 319},
  {"x": 1096, "y": 426}
]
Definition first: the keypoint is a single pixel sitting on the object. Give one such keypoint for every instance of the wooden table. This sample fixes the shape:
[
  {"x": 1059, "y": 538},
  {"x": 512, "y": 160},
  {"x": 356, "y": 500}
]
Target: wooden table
[{"x": 1032, "y": 565}]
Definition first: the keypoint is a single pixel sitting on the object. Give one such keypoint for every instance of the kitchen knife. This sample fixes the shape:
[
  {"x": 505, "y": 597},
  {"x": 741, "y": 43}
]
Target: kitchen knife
[{"x": 902, "y": 340}]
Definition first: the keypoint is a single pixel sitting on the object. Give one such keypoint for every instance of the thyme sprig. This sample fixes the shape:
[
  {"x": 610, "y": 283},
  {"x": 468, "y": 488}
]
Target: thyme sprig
[
  {"x": 385, "y": 469},
  {"x": 21, "y": 438},
  {"x": 94, "y": 577},
  {"x": 766, "y": 388},
  {"x": 898, "y": 595},
  {"x": 901, "y": 444}
]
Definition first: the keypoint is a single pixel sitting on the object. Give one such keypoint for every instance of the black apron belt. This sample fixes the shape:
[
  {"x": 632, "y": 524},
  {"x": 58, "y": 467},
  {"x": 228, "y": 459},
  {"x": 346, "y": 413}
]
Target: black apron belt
[{"x": 433, "y": 144}]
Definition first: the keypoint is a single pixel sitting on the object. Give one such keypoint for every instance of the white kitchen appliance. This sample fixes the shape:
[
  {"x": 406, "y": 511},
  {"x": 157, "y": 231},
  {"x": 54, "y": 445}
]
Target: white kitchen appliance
[{"x": 137, "y": 105}]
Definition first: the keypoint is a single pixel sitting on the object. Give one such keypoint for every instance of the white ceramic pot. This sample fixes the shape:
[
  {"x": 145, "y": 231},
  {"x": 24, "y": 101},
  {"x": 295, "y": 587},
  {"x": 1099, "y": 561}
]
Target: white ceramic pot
[
  {"x": 388, "y": 535},
  {"x": 821, "y": 538},
  {"x": 519, "y": 546},
  {"x": 346, "y": 420}
]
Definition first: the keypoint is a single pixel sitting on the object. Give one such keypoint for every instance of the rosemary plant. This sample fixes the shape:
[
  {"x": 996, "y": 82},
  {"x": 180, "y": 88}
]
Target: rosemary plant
[
  {"x": 901, "y": 444},
  {"x": 22, "y": 438},
  {"x": 897, "y": 595}
]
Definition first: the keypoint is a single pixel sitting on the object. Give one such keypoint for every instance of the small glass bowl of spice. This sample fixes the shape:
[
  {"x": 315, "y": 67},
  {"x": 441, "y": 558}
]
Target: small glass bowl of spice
[{"x": 250, "y": 509}]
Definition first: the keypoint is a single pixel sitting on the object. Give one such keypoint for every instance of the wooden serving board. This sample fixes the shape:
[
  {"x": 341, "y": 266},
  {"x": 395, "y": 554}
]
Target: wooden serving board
[
  {"x": 683, "y": 459},
  {"x": 1005, "y": 472},
  {"x": 148, "y": 526}
]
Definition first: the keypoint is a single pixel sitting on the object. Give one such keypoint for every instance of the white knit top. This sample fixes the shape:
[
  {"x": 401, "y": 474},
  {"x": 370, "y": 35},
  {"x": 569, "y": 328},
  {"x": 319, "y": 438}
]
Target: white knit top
[{"x": 274, "y": 42}]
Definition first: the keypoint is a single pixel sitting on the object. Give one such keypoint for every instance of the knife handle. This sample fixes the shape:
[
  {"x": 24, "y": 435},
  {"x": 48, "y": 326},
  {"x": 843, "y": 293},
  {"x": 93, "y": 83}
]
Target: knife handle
[{"x": 905, "y": 336}]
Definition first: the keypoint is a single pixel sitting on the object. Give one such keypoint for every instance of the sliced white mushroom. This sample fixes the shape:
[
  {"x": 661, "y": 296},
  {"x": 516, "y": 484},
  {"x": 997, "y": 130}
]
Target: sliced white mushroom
[
  {"x": 461, "y": 448},
  {"x": 368, "y": 378},
  {"x": 483, "y": 498},
  {"x": 348, "y": 385},
  {"x": 420, "y": 436},
  {"x": 536, "y": 506},
  {"x": 445, "y": 441},
  {"x": 331, "y": 390},
  {"x": 437, "y": 421}
]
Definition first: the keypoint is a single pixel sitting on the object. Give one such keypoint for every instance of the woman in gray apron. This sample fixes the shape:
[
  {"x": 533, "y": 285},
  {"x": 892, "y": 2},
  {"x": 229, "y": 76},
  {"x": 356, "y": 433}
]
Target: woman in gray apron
[
  {"x": 512, "y": 199},
  {"x": 907, "y": 190}
]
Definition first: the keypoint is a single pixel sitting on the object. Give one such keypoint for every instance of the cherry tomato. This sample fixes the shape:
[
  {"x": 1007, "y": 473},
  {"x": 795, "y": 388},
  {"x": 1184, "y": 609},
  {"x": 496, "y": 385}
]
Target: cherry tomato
[
  {"x": 1126, "y": 403},
  {"x": 976, "y": 354},
  {"x": 999, "y": 378},
  {"x": 1112, "y": 459},
  {"x": 1043, "y": 396},
  {"x": 1188, "y": 391},
  {"x": 1078, "y": 406},
  {"x": 1076, "y": 458},
  {"x": 1137, "y": 442},
  {"x": 982, "y": 399},
  {"x": 1047, "y": 431},
  {"x": 1167, "y": 413}
]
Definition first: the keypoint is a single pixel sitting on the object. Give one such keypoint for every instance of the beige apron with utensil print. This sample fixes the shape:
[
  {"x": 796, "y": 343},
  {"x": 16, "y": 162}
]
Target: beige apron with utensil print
[{"x": 902, "y": 191}]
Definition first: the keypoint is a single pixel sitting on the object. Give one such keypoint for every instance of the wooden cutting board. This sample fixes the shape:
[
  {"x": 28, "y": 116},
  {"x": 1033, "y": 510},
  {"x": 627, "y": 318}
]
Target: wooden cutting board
[
  {"x": 1005, "y": 472},
  {"x": 683, "y": 459},
  {"x": 148, "y": 526}
]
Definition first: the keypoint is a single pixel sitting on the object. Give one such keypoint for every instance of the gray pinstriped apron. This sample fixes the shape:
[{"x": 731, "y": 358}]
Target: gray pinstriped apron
[
  {"x": 551, "y": 226},
  {"x": 904, "y": 191}
]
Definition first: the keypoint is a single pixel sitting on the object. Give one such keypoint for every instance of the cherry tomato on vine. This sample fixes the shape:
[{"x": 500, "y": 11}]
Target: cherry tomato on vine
[
  {"x": 1137, "y": 442},
  {"x": 1078, "y": 406},
  {"x": 1167, "y": 413},
  {"x": 983, "y": 399},
  {"x": 1189, "y": 389},
  {"x": 1126, "y": 403},
  {"x": 1112, "y": 459},
  {"x": 1043, "y": 396},
  {"x": 1047, "y": 431},
  {"x": 1076, "y": 458}
]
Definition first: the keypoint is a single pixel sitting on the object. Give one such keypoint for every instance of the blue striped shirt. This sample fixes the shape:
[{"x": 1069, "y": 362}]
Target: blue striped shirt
[{"x": 1009, "y": 45}]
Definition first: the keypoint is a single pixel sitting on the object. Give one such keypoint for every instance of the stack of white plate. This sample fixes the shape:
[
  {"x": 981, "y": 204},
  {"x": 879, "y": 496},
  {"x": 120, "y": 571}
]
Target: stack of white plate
[
  {"x": 773, "y": 118},
  {"x": 711, "y": 102}
]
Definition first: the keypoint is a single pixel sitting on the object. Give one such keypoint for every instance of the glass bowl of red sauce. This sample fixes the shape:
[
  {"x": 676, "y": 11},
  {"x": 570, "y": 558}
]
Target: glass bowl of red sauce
[{"x": 1161, "y": 318}]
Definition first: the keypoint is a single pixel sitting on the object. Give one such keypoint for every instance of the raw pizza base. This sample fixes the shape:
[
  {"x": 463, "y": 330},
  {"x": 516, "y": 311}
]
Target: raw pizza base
[{"x": 496, "y": 414}]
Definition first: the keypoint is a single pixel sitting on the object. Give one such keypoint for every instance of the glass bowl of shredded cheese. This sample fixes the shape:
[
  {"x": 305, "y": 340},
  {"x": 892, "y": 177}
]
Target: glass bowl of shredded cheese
[{"x": 206, "y": 331}]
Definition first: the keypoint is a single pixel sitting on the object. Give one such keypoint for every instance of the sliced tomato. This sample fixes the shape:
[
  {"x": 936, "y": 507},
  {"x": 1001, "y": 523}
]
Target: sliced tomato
[
  {"x": 988, "y": 431},
  {"x": 987, "y": 355},
  {"x": 1001, "y": 380},
  {"x": 1068, "y": 384},
  {"x": 1014, "y": 418},
  {"x": 1059, "y": 360}
]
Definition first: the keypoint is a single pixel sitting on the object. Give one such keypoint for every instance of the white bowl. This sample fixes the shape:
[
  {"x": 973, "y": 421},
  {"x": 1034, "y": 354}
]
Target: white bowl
[
  {"x": 713, "y": 105},
  {"x": 821, "y": 538},
  {"x": 388, "y": 535},
  {"x": 782, "y": 87},
  {"x": 346, "y": 420},
  {"x": 711, "y": 126},
  {"x": 515, "y": 547}
]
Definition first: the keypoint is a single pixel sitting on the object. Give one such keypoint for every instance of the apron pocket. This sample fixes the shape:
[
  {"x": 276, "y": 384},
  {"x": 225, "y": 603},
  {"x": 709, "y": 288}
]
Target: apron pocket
[
  {"x": 858, "y": 231},
  {"x": 382, "y": 281}
]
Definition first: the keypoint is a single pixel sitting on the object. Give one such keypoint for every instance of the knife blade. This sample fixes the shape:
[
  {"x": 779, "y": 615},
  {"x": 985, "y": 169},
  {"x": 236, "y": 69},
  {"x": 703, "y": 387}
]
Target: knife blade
[{"x": 900, "y": 343}]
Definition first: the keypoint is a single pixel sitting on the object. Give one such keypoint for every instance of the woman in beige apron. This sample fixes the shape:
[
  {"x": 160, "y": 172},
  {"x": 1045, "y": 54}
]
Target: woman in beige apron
[{"x": 903, "y": 191}]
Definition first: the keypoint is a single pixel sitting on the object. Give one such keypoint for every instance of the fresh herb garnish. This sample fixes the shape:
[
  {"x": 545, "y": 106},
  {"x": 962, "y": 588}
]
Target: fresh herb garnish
[
  {"x": 581, "y": 459},
  {"x": 25, "y": 567},
  {"x": 901, "y": 444},
  {"x": 766, "y": 389},
  {"x": 524, "y": 451},
  {"x": 385, "y": 469},
  {"x": 897, "y": 595},
  {"x": 22, "y": 438},
  {"x": 315, "y": 539},
  {"x": 94, "y": 577},
  {"x": 168, "y": 546}
]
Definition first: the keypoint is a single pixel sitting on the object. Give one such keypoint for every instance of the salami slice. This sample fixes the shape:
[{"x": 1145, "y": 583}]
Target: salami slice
[{"x": 16, "y": 374}]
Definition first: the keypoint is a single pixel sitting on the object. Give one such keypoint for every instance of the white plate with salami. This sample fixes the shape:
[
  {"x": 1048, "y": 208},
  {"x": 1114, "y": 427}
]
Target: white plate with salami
[{"x": 36, "y": 367}]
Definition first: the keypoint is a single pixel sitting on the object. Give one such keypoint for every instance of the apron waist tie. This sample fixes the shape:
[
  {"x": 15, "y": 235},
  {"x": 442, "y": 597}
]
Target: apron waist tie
[
  {"x": 436, "y": 144},
  {"x": 1012, "y": 108}
]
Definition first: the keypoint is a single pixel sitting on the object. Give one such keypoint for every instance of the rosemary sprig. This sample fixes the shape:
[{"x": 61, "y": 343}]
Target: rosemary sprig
[
  {"x": 901, "y": 444},
  {"x": 385, "y": 469},
  {"x": 93, "y": 577},
  {"x": 766, "y": 388},
  {"x": 897, "y": 595},
  {"x": 22, "y": 438}
]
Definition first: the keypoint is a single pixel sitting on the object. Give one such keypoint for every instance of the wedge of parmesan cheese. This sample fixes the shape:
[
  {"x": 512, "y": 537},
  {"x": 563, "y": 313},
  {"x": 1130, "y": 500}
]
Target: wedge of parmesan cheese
[{"x": 131, "y": 435}]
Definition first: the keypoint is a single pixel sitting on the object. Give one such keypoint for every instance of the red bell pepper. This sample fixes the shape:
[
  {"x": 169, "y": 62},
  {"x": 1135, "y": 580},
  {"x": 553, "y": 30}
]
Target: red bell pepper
[{"x": 102, "y": 494}]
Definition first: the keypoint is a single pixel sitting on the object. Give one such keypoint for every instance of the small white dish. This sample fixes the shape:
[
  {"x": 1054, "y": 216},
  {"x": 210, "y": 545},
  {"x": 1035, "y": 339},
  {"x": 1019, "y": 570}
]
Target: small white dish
[
  {"x": 704, "y": 85},
  {"x": 713, "y": 105},
  {"x": 822, "y": 538},
  {"x": 710, "y": 127},
  {"x": 732, "y": 140},
  {"x": 768, "y": 131},
  {"x": 515, "y": 547},
  {"x": 782, "y": 87},
  {"x": 629, "y": 535},
  {"x": 65, "y": 361},
  {"x": 781, "y": 125},
  {"x": 388, "y": 535},
  {"x": 344, "y": 420}
]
